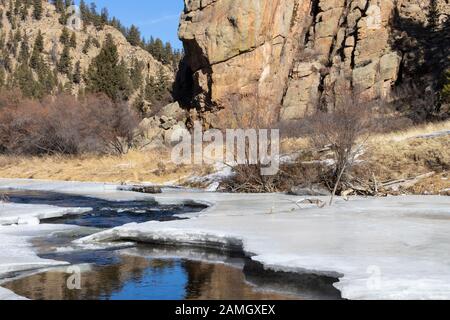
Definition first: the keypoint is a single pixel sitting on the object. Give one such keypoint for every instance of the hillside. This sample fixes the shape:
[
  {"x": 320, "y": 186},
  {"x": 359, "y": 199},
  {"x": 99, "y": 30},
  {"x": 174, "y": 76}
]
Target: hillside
[{"x": 20, "y": 28}]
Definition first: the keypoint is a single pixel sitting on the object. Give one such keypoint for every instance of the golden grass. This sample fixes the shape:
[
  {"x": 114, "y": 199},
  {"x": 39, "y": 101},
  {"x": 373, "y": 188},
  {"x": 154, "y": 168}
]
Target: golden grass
[
  {"x": 409, "y": 158},
  {"x": 403, "y": 154},
  {"x": 412, "y": 132},
  {"x": 391, "y": 156},
  {"x": 135, "y": 167}
]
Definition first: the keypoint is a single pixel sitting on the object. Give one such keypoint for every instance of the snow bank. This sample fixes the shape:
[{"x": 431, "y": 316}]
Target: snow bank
[
  {"x": 379, "y": 248},
  {"x": 9, "y": 295},
  {"x": 17, "y": 254},
  {"x": 392, "y": 248},
  {"x": 12, "y": 213}
]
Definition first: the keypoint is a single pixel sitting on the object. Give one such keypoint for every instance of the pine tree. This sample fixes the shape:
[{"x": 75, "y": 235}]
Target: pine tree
[
  {"x": 59, "y": 5},
  {"x": 35, "y": 59},
  {"x": 65, "y": 36},
  {"x": 39, "y": 42},
  {"x": 73, "y": 40},
  {"x": 65, "y": 61},
  {"x": 433, "y": 16},
  {"x": 87, "y": 45},
  {"x": 38, "y": 48},
  {"x": 134, "y": 36},
  {"x": 136, "y": 73},
  {"x": 104, "y": 17},
  {"x": 24, "y": 11},
  {"x": 23, "y": 79},
  {"x": 24, "y": 54},
  {"x": 37, "y": 9},
  {"x": 84, "y": 11},
  {"x": 107, "y": 74},
  {"x": 77, "y": 73}
]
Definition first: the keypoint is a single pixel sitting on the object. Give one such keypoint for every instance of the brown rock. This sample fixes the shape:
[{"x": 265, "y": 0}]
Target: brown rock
[{"x": 268, "y": 47}]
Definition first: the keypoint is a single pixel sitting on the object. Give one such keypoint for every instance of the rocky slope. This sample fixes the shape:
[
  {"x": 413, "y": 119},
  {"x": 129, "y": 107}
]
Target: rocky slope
[
  {"x": 51, "y": 30},
  {"x": 301, "y": 54}
]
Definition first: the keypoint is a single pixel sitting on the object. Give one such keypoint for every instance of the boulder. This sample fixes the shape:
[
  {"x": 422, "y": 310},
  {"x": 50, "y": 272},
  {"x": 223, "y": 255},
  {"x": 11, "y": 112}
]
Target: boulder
[{"x": 173, "y": 110}]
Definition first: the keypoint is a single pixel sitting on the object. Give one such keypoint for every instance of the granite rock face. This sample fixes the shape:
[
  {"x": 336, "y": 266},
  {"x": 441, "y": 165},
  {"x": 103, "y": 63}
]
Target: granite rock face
[{"x": 296, "y": 54}]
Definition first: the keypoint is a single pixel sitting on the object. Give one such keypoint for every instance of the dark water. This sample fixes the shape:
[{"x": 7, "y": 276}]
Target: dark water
[
  {"x": 144, "y": 272},
  {"x": 116, "y": 275},
  {"x": 105, "y": 214}
]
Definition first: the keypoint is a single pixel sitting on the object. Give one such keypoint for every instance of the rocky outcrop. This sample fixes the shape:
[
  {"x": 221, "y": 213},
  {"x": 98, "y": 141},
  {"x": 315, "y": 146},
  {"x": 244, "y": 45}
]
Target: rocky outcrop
[
  {"x": 295, "y": 54},
  {"x": 158, "y": 130}
]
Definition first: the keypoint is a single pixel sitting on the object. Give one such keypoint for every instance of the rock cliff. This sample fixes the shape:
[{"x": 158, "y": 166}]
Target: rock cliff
[{"x": 301, "y": 54}]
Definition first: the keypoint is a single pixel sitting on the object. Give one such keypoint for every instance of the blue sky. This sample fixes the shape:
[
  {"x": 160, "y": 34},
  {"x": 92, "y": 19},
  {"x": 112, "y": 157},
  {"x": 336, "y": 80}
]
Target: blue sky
[{"x": 158, "y": 18}]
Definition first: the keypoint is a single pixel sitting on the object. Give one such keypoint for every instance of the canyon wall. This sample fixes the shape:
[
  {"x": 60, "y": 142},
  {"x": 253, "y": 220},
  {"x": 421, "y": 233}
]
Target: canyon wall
[{"x": 300, "y": 55}]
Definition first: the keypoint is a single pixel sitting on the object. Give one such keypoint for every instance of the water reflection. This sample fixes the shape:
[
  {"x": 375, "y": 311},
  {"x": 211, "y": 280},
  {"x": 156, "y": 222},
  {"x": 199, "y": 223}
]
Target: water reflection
[{"x": 139, "y": 278}]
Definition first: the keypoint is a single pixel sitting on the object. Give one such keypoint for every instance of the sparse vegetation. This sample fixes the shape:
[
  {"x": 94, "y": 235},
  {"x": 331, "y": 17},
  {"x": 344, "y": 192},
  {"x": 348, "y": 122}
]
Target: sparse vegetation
[
  {"x": 345, "y": 130},
  {"x": 64, "y": 125}
]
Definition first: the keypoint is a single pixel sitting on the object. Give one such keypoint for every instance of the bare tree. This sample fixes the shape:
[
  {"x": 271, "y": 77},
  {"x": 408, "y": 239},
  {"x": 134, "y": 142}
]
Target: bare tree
[
  {"x": 345, "y": 130},
  {"x": 248, "y": 111},
  {"x": 65, "y": 125}
]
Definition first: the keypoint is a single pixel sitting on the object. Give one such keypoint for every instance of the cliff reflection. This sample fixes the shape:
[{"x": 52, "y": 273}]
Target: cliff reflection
[{"x": 138, "y": 278}]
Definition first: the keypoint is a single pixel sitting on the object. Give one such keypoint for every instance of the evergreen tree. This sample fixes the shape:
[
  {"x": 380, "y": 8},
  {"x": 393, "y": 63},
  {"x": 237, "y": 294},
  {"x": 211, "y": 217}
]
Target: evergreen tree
[
  {"x": 136, "y": 73},
  {"x": 2, "y": 77},
  {"x": 59, "y": 5},
  {"x": 433, "y": 15},
  {"x": 107, "y": 74},
  {"x": 65, "y": 61},
  {"x": 104, "y": 17},
  {"x": 87, "y": 45},
  {"x": 37, "y": 9},
  {"x": 24, "y": 54},
  {"x": 39, "y": 42},
  {"x": 77, "y": 73},
  {"x": 23, "y": 11},
  {"x": 73, "y": 40},
  {"x": 23, "y": 79},
  {"x": 134, "y": 36},
  {"x": 35, "y": 59},
  {"x": 84, "y": 12},
  {"x": 65, "y": 36}
]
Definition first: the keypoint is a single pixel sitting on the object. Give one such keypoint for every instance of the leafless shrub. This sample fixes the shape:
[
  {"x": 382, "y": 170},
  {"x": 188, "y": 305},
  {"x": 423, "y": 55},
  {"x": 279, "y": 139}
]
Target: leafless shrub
[
  {"x": 345, "y": 130},
  {"x": 249, "y": 111},
  {"x": 65, "y": 125}
]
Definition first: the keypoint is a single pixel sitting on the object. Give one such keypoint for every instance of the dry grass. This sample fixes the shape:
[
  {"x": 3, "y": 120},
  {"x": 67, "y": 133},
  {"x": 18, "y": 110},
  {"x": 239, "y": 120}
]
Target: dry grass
[
  {"x": 412, "y": 132},
  {"x": 400, "y": 155},
  {"x": 409, "y": 158},
  {"x": 392, "y": 156},
  {"x": 135, "y": 167}
]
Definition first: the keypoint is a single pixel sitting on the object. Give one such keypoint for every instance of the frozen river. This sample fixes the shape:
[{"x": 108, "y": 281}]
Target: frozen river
[{"x": 374, "y": 248}]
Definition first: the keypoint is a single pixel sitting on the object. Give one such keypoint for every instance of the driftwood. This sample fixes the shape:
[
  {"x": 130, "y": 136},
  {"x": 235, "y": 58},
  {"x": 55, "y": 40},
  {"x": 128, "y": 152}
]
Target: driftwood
[
  {"x": 380, "y": 189},
  {"x": 142, "y": 189},
  {"x": 319, "y": 203},
  {"x": 396, "y": 185}
]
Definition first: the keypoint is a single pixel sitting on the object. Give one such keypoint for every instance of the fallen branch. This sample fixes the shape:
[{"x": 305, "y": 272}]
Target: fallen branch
[{"x": 406, "y": 183}]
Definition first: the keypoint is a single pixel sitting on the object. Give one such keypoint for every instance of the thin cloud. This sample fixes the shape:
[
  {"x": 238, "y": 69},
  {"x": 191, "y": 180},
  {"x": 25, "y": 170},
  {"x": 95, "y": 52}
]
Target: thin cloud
[{"x": 159, "y": 20}]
